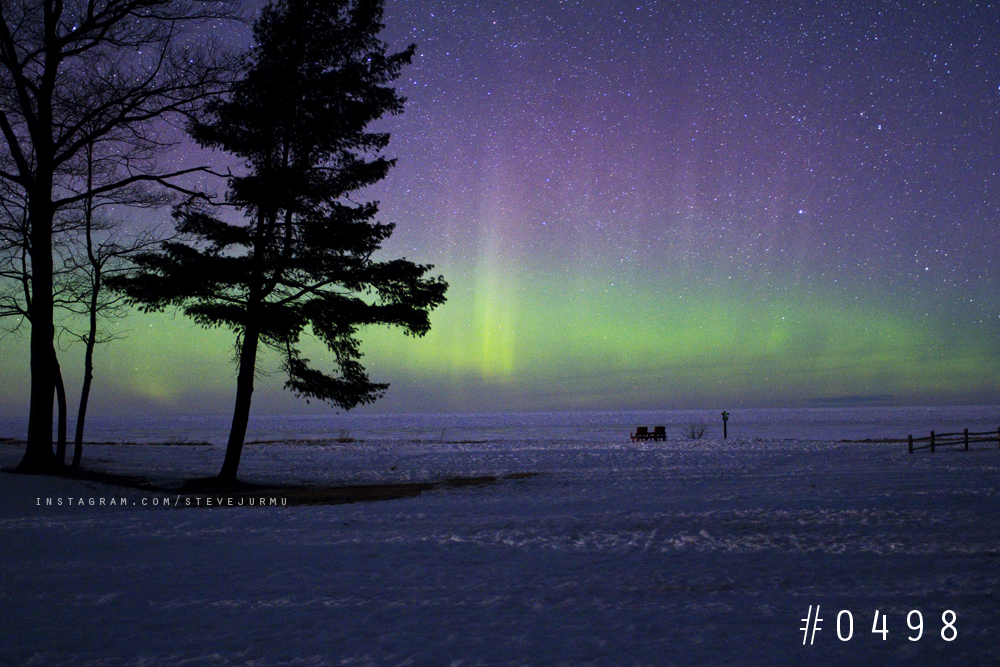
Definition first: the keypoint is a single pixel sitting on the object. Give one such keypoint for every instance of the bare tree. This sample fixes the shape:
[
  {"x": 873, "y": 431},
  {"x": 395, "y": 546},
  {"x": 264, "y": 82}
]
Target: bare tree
[
  {"x": 100, "y": 254},
  {"x": 15, "y": 286},
  {"x": 15, "y": 277},
  {"x": 78, "y": 72},
  {"x": 88, "y": 247},
  {"x": 694, "y": 431}
]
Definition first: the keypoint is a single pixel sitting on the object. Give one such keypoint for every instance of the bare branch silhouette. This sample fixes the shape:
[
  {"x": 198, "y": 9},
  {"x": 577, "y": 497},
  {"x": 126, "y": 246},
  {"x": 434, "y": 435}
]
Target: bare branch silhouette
[{"x": 110, "y": 76}]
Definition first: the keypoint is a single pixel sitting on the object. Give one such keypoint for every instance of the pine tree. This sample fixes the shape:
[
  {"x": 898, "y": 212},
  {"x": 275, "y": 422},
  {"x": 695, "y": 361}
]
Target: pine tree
[{"x": 302, "y": 260}]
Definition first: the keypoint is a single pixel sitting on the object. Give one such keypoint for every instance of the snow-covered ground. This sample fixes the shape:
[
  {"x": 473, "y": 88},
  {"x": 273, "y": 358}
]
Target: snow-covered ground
[{"x": 707, "y": 552}]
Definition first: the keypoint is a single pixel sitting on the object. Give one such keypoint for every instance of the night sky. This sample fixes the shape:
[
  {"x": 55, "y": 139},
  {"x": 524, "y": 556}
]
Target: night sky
[{"x": 686, "y": 204}]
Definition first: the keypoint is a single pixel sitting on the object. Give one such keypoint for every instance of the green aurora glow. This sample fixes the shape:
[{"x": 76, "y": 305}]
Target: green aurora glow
[{"x": 546, "y": 343}]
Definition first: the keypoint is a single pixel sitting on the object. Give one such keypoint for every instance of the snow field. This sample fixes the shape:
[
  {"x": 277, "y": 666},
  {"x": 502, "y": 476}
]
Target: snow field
[{"x": 701, "y": 552}]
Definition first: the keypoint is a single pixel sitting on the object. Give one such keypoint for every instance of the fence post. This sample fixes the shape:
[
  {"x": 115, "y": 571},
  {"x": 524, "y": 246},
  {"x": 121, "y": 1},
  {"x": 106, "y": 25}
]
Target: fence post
[
  {"x": 910, "y": 439},
  {"x": 966, "y": 439},
  {"x": 932, "y": 442}
]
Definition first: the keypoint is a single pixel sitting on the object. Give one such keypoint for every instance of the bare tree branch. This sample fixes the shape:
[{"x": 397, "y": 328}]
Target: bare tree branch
[{"x": 79, "y": 76}]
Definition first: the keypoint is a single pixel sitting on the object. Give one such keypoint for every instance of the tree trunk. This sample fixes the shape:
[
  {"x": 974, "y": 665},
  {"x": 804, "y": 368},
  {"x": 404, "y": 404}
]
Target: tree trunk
[
  {"x": 241, "y": 412},
  {"x": 88, "y": 376},
  {"x": 38, "y": 454},
  {"x": 248, "y": 356},
  {"x": 88, "y": 357},
  {"x": 61, "y": 400}
]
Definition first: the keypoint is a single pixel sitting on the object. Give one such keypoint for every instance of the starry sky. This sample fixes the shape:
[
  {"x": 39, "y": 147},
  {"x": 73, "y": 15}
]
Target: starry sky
[{"x": 690, "y": 204}]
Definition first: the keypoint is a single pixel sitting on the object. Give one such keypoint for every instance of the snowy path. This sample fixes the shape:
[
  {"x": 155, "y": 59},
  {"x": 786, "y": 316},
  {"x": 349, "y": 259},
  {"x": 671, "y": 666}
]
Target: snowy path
[{"x": 684, "y": 553}]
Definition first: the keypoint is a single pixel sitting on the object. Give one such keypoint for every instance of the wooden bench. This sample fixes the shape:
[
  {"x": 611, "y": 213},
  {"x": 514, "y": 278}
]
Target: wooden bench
[{"x": 642, "y": 433}]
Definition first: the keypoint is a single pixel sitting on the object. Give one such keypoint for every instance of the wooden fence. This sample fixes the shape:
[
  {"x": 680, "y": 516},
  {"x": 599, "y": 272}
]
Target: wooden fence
[{"x": 952, "y": 439}]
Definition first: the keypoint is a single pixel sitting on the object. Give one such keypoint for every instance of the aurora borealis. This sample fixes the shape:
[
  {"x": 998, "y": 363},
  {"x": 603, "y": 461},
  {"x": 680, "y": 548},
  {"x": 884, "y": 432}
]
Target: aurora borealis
[{"x": 665, "y": 205}]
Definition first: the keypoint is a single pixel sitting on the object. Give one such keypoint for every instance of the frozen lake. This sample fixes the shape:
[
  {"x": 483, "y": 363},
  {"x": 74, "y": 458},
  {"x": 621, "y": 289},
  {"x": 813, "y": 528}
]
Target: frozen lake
[
  {"x": 595, "y": 427},
  {"x": 706, "y": 552}
]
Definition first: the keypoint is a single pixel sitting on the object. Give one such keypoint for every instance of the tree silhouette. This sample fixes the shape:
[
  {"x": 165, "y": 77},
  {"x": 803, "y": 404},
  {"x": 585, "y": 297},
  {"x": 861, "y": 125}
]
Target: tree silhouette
[
  {"x": 76, "y": 73},
  {"x": 303, "y": 259},
  {"x": 15, "y": 284},
  {"x": 101, "y": 250},
  {"x": 87, "y": 247}
]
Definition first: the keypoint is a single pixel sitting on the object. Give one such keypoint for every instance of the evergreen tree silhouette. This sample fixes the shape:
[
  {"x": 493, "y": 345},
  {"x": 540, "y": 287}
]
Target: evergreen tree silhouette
[{"x": 302, "y": 259}]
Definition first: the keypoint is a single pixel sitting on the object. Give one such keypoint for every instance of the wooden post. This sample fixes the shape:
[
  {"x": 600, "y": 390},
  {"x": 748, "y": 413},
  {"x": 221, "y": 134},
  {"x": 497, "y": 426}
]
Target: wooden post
[
  {"x": 932, "y": 442},
  {"x": 910, "y": 438},
  {"x": 966, "y": 439}
]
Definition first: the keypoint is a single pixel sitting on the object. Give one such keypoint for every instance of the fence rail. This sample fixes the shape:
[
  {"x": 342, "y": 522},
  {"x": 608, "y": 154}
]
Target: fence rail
[{"x": 965, "y": 438}]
